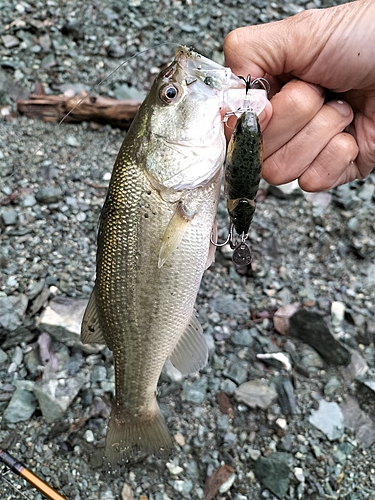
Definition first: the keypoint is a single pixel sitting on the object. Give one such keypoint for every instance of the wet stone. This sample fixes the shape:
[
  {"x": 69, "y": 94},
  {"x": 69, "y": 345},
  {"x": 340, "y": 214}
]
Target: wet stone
[
  {"x": 21, "y": 406},
  {"x": 98, "y": 374},
  {"x": 236, "y": 372},
  {"x": 329, "y": 419},
  {"x": 311, "y": 328},
  {"x": 229, "y": 306},
  {"x": 331, "y": 386},
  {"x": 29, "y": 201},
  {"x": 273, "y": 472},
  {"x": 71, "y": 140},
  {"x": 9, "y": 217},
  {"x": 3, "y": 356},
  {"x": 62, "y": 319},
  {"x": 56, "y": 395},
  {"x": 228, "y": 386},
  {"x": 287, "y": 399},
  {"x": 242, "y": 337},
  {"x": 194, "y": 392},
  {"x": 12, "y": 311},
  {"x": 256, "y": 394},
  {"x": 48, "y": 195}
]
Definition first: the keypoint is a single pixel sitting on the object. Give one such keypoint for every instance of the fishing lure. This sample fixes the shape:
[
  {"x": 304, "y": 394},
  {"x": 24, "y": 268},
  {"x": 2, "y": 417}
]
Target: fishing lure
[
  {"x": 243, "y": 168},
  {"x": 242, "y": 176}
]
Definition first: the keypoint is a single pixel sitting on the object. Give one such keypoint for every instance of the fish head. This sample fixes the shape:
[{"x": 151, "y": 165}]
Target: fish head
[{"x": 185, "y": 133}]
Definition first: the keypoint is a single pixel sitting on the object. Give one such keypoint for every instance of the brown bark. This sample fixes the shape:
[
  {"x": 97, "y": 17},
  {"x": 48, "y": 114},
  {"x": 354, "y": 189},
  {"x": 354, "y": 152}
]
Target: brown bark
[{"x": 55, "y": 108}]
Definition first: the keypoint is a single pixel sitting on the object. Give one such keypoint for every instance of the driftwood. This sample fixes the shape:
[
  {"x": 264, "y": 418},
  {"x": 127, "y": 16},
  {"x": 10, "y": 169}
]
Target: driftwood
[{"x": 54, "y": 108}]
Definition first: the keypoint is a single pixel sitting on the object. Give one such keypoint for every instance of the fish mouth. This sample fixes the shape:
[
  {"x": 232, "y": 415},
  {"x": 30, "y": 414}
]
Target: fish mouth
[{"x": 198, "y": 67}]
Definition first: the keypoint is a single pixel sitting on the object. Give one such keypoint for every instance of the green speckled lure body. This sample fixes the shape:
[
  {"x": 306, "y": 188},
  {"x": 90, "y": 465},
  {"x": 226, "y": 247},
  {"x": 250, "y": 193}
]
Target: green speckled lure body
[{"x": 242, "y": 176}]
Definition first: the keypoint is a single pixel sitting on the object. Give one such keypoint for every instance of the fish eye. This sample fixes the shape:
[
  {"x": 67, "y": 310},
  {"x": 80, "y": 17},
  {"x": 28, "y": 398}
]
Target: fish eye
[{"x": 169, "y": 93}]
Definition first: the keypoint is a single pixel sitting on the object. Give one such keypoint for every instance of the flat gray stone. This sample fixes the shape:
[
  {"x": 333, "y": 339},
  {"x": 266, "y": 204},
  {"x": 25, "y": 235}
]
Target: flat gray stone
[
  {"x": 256, "y": 394},
  {"x": 62, "y": 319},
  {"x": 21, "y": 406},
  {"x": 56, "y": 395},
  {"x": 329, "y": 419}
]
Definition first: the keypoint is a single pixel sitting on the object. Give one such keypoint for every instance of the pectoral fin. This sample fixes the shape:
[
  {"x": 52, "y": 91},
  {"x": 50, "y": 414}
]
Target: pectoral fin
[
  {"x": 91, "y": 332},
  {"x": 191, "y": 352},
  {"x": 174, "y": 233}
]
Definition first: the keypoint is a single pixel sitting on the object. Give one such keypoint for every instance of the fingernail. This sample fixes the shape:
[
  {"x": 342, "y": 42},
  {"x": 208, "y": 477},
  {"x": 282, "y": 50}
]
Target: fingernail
[
  {"x": 342, "y": 107},
  {"x": 318, "y": 89}
]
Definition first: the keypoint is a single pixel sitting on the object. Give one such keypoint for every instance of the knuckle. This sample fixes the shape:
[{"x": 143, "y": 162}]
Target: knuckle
[{"x": 303, "y": 100}]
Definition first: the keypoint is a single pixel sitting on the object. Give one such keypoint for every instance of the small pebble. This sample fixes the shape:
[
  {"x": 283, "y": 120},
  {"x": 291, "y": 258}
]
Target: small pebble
[{"x": 89, "y": 436}]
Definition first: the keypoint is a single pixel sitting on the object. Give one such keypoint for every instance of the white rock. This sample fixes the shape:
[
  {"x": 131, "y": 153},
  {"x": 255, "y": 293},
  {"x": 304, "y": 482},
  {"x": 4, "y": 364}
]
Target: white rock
[{"x": 300, "y": 476}]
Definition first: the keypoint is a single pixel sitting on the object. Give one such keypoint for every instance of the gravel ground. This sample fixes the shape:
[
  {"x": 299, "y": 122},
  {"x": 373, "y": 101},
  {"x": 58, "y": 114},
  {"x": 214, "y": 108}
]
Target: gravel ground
[{"x": 305, "y": 431}]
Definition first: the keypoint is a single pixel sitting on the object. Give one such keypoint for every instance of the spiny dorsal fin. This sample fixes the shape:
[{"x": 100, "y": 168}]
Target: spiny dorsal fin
[
  {"x": 174, "y": 233},
  {"x": 91, "y": 333},
  {"x": 191, "y": 352}
]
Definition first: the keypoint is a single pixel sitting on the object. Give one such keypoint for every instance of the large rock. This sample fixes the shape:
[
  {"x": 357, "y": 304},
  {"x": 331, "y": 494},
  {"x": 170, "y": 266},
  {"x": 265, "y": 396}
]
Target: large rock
[
  {"x": 62, "y": 319},
  {"x": 311, "y": 328},
  {"x": 21, "y": 406},
  {"x": 56, "y": 394},
  {"x": 273, "y": 472},
  {"x": 329, "y": 419}
]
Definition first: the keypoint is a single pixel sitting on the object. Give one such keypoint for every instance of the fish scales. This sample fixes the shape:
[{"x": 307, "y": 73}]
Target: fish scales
[{"x": 154, "y": 245}]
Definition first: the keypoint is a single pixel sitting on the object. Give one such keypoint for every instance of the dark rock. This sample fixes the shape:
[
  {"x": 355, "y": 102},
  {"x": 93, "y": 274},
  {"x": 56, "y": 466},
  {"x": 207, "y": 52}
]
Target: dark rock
[
  {"x": 287, "y": 399},
  {"x": 19, "y": 335},
  {"x": 311, "y": 328},
  {"x": 48, "y": 195},
  {"x": 366, "y": 395},
  {"x": 273, "y": 472}
]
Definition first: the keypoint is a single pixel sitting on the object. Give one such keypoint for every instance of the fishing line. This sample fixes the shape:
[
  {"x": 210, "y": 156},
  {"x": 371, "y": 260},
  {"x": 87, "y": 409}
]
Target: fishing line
[{"x": 95, "y": 87}]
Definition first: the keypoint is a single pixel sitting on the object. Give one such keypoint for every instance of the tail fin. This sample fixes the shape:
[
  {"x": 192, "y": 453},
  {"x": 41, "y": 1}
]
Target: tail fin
[{"x": 129, "y": 436}]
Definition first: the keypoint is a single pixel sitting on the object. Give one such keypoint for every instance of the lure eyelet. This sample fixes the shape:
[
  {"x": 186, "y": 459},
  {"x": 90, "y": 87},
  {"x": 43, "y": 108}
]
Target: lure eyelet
[{"x": 170, "y": 93}]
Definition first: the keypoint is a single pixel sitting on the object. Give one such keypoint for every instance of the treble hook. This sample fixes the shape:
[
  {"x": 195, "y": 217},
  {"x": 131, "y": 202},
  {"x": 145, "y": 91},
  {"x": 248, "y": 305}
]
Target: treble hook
[
  {"x": 265, "y": 84},
  {"x": 241, "y": 250}
]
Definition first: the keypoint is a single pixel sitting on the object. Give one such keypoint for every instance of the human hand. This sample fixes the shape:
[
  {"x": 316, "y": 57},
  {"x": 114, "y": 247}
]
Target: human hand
[{"x": 320, "y": 64}]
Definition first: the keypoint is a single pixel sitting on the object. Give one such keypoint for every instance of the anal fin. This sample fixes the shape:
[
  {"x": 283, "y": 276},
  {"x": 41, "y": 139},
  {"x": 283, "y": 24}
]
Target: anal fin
[
  {"x": 91, "y": 332},
  {"x": 191, "y": 352},
  {"x": 174, "y": 233}
]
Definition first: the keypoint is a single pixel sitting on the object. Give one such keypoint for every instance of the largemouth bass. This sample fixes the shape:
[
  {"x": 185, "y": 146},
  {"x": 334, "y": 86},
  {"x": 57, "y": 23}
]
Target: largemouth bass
[{"x": 154, "y": 245}]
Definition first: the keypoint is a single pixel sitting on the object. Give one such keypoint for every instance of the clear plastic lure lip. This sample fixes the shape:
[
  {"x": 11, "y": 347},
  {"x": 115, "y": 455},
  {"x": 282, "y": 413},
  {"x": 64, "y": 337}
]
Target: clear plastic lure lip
[{"x": 236, "y": 94}]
